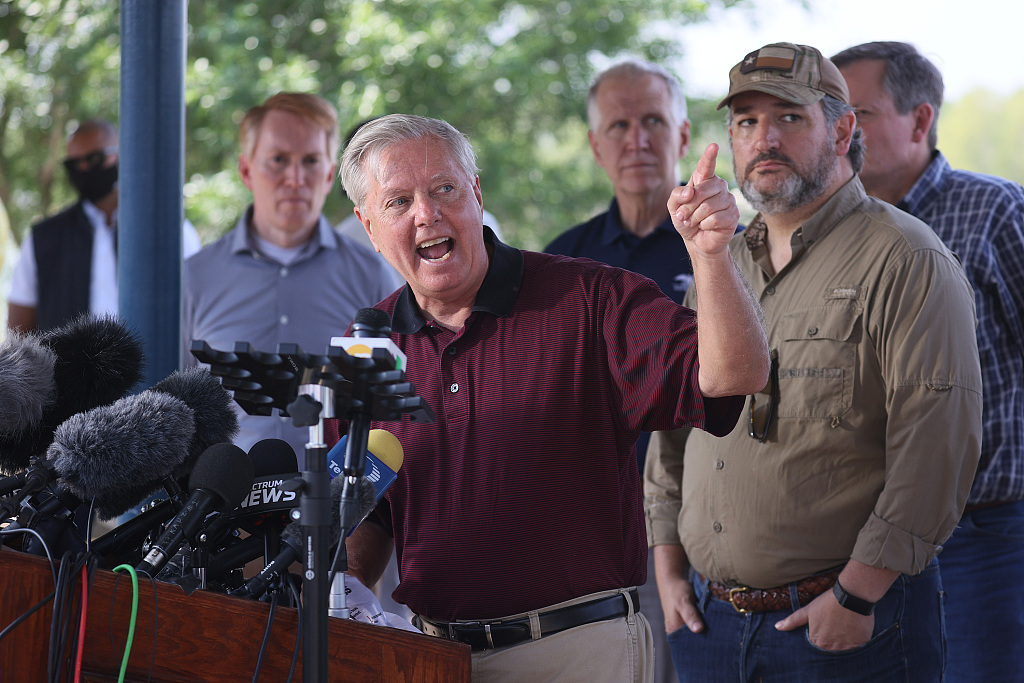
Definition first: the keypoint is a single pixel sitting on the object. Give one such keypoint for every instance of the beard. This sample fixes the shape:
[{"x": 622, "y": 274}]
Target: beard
[{"x": 797, "y": 189}]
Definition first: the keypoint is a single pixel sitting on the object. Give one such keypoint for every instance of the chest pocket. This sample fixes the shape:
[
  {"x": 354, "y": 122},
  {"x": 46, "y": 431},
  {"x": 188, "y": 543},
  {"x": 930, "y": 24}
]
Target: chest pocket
[{"x": 818, "y": 361}]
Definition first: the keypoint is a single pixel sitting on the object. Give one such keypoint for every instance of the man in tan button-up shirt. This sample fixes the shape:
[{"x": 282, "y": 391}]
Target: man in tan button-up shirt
[{"x": 855, "y": 462}]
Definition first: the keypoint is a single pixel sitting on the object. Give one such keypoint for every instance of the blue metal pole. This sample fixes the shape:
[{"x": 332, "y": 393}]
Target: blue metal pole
[{"x": 152, "y": 172}]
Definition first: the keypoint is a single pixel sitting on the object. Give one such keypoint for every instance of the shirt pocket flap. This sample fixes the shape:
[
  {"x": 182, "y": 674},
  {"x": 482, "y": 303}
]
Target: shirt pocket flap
[{"x": 836, "y": 323}]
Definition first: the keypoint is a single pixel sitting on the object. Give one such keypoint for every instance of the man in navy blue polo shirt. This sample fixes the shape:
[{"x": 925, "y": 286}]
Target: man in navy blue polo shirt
[{"x": 639, "y": 133}]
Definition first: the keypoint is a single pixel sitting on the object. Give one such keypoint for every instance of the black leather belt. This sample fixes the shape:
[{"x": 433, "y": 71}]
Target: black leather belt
[{"x": 495, "y": 633}]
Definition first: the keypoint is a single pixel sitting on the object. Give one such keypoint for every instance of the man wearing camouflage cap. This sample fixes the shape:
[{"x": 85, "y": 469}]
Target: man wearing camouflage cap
[{"x": 801, "y": 546}]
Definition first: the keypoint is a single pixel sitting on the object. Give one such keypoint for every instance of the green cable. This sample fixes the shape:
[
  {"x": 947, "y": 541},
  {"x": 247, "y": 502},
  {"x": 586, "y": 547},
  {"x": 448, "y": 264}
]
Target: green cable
[{"x": 131, "y": 623}]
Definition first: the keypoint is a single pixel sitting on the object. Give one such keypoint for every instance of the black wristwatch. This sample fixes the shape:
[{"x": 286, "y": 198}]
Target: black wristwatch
[{"x": 852, "y": 602}]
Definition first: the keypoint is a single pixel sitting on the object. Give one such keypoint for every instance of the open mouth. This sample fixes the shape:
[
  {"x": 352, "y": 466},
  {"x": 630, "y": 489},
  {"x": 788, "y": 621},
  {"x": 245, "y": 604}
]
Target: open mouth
[{"x": 436, "y": 250}]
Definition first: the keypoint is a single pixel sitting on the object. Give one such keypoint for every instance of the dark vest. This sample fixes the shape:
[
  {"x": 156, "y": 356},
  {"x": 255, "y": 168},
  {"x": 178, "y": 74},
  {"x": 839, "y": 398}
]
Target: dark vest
[{"x": 63, "y": 247}]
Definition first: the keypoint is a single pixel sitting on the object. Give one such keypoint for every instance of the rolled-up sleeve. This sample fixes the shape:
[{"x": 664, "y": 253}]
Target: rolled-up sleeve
[{"x": 924, "y": 331}]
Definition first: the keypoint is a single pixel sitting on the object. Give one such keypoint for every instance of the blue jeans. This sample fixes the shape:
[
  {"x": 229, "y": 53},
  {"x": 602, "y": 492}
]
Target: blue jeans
[
  {"x": 983, "y": 575},
  {"x": 908, "y": 643}
]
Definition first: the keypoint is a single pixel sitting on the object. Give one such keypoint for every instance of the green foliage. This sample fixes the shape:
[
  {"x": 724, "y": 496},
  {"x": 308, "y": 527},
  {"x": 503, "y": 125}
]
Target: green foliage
[
  {"x": 512, "y": 75},
  {"x": 982, "y": 132}
]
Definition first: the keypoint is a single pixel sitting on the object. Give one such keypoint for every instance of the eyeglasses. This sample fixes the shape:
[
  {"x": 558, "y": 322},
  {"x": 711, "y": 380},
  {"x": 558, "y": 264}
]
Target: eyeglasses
[
  {"x": 90, "y": 161},
  {"x": 761, "y": 416}
]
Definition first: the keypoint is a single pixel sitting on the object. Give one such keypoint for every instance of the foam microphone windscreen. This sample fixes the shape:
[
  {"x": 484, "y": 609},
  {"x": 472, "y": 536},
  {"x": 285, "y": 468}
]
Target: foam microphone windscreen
[
  {"x": 120, "y": 453},
  {"x": 215, "y": 418},
  {"x": 97, "y": 361},
  {"x": 273, "y": 456},
  {"x": 26, "y": 381}
]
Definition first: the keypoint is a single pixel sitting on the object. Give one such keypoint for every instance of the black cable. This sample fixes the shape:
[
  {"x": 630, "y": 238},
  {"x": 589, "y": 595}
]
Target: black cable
[
  {"x": 298, "y": 629},
  {"x": 25, "y": 615},
  {"x": 266, "y": 636}
]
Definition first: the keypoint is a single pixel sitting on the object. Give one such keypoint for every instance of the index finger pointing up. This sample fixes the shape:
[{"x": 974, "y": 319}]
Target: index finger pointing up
[{"x": 705, "y": 165}]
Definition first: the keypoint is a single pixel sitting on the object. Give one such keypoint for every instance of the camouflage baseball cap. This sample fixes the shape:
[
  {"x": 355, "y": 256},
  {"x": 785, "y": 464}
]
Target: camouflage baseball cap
[{"x": 795, "y": 73}]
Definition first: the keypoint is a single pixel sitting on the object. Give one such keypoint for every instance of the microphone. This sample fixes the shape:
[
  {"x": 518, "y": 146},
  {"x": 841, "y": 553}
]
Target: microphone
[
  {"x": 384, "y": 457},
  {"x": 292, "y": 538},
  {"x": 26, "y": 375},
  {"x": 271, "y": 497},
  {"x": 216, "y": 420},
  {"x": 371, "y": 338},
  {"x": 97, "y": 361},
  {"x": 121, "y": 453},
  {"x": 223, "y": 474},
  {"x": 129, "y": 444}
]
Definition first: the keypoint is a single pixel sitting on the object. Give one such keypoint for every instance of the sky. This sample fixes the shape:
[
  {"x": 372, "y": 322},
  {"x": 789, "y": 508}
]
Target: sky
[{"x": 974, "y": 43}]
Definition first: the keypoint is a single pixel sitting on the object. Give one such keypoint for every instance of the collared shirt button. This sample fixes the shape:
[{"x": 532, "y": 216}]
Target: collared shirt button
[
  {"x": 452, "y": 351},
  {"x": 770, "y": 289},
  {"x": 284, "y": 271},
  {"x": 719, "y": 464},
  {"x": 284, "y": 320},
  {"x": 717, "y": 527},
  {"x": 812, "y": 330},
  {"x": 454, "y": 387}
]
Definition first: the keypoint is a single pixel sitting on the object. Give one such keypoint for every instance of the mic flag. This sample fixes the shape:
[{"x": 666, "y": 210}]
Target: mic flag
[
  {"x": 371, "y": 338},
  {"x": 384, "y": 457}
]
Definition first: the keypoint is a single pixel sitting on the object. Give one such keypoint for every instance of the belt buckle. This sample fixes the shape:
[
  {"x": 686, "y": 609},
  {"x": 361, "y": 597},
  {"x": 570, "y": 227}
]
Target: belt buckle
[
  {"x": 452, "y": 635},
  {"x": 453, "y": 627},
  {"x": 732, "y": 594}
]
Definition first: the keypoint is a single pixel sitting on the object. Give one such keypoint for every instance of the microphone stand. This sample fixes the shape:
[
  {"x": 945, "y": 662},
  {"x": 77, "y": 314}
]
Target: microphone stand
[
  {"x": 310, "y": 389},
  {"x": 315, "y": 516}
]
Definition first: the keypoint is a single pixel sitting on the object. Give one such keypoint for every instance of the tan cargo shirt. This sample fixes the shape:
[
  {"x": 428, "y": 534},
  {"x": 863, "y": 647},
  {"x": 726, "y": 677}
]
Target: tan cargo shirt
[{"x": 877, "y": 429}]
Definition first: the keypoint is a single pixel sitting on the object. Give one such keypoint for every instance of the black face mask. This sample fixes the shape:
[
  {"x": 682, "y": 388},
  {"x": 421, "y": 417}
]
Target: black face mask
[{"x": 94, "y": 184}]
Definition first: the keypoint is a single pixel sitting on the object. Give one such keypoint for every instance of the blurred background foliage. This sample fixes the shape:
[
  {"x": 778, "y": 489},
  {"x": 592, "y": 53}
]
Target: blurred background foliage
[{"x": 511, "y": 75}]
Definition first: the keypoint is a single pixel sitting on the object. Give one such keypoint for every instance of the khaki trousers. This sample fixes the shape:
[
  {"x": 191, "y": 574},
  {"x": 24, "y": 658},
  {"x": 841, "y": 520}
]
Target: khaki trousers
[{"x": 615, "y": 651}]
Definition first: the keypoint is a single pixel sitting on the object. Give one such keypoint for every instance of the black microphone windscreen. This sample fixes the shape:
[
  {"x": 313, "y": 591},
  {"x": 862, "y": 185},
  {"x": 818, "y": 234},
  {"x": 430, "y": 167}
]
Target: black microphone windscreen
[
  {"x": 371, "y": 322},
  {"x": 215, "y": 417},
  {"x": 99, "y": 360},
  {"x": 225, "y": 470},
  {"x": 26, "y": 381},
  {"x": 273, "y": 456},
  {"x": 119, "y": 453}
]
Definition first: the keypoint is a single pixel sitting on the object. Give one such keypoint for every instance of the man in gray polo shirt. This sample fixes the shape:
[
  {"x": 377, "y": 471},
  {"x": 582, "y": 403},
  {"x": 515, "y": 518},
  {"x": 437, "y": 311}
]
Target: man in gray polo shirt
[{"x": 282, "y": 275}]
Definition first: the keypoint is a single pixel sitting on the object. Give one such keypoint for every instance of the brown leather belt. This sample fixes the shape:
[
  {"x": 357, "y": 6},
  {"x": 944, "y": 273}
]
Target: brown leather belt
[
  {"x": 495, "y": 633},
  {"x": 745, "y": 599}
]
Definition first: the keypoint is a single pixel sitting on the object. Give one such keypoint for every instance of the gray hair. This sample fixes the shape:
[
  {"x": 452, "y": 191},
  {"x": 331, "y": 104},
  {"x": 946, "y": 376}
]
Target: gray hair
[
  {"x": 361, "y": 159},
  {"x": 834, "y": 110},
  {"x": 637, "y": 67},
  {"x": 910, "y": 78}
]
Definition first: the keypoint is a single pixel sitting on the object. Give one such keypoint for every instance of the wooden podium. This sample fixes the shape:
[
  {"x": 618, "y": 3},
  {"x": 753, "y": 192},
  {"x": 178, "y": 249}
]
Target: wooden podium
[{"x": 203, "y": 637}]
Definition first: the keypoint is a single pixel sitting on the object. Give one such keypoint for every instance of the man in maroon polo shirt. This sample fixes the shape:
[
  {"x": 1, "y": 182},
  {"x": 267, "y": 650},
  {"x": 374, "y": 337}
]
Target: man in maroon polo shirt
[{"x": 517, "y": 515}]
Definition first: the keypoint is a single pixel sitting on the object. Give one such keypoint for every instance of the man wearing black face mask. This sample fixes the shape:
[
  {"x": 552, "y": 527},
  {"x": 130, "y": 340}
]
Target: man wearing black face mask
[{"x": 69, "y": 265}]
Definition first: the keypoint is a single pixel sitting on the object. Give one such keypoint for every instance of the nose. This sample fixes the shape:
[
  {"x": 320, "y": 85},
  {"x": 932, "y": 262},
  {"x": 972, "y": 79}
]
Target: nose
[
  {"x": 638, "y": 137},
  {"x": 767, "y": 137},
  {"x": 293, "y": 174},
  {"x": 426, "y": 211}
]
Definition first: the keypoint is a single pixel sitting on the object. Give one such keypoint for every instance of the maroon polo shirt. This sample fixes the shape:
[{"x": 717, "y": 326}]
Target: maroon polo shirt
[{"x": 525, "y": 492}]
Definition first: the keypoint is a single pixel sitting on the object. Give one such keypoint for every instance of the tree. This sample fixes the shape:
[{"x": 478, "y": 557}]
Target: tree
[
  {"x": 512, "y": 75},
  {"x": 981, "y": 132}
]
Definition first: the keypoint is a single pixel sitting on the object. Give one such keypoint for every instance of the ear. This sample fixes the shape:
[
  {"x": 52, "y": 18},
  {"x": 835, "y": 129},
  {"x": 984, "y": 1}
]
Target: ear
[
  {"x": 245, "y": 171},
  {"x": 845, "y": 126},
  {"x": 924, "y": 116},
  {"x": 593, "y": 146},
  {"x": 365, "y": 220},
  {"x": 684, "y": 138}
]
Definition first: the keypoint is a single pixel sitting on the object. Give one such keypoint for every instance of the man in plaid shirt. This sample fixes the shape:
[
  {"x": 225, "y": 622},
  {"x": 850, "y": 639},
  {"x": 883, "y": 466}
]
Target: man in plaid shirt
[{"x": 897, "y": 94}]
